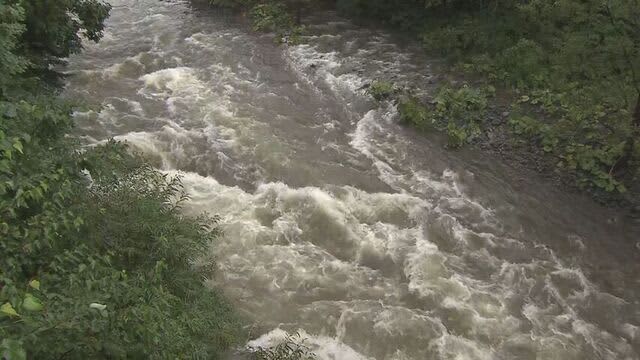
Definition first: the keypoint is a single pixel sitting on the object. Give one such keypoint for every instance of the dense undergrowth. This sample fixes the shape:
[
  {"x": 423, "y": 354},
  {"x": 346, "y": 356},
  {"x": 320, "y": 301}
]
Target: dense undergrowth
[
  {"x": 458, "y": 112},
  {"x": 281, "y": 17},
  {"x": 95, "y": 254},
  {"x": 570, "y": 68}
]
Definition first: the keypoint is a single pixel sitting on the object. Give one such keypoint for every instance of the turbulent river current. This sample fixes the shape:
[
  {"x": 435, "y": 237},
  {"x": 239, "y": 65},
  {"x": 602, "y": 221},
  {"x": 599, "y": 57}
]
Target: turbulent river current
[{"x": 370, "y": 240}]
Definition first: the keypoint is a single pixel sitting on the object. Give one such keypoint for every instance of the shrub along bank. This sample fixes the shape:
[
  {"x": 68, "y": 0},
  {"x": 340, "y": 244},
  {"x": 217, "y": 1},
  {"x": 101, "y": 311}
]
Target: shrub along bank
[
  {"x": 95, "y": 255},
  {"x": 279, "y": 17},
  {"x": 570, "y": 68}
]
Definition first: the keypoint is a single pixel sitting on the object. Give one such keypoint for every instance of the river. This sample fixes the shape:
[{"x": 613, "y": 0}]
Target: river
[{"x": 369, "y": 239}]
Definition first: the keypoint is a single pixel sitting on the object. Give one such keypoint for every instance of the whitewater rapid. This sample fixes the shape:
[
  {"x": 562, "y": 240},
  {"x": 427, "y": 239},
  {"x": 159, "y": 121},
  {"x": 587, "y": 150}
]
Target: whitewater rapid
[{"x": 368, "y": 239}]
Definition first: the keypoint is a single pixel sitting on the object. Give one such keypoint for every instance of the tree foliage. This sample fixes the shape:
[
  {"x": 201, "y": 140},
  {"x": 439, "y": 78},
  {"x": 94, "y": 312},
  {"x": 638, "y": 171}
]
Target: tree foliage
[
  {"x": 96, "y": 255},
  {"x": 54, "y": 29},
  {"x": 11, "y": 28}
]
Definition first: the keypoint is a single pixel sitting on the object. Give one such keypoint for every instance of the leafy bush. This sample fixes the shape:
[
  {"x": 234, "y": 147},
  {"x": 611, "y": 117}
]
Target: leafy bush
[
  {"x": 275, "y": 17},
  {"x": 279, "y": 17},
  {"x": 457, "y": 112},
  {"x": 592, "y": 163},
  {"x": 96, "y": 255},
  {"x": 111, "y": 258},
  {"x": 53, "y": 29},
  {"x": 522, "y": 64},
  {"x": 271, "y": 17},
  {"x": 381, "y": 90},
  {"x": 11, "y": 28},
  {"x": 462, "y": 110},
  {"x": 413, "y": 112}
]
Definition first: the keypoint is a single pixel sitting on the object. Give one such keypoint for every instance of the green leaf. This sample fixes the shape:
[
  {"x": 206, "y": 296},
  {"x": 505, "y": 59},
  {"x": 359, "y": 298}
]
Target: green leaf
[
  {"x": 11, "y": 349},
  {"x": 8, "y": 309},
  {"x": 32, "y": 303},
  {"x": 18, "y": 146},
  {"x": 34, "y": 284}
]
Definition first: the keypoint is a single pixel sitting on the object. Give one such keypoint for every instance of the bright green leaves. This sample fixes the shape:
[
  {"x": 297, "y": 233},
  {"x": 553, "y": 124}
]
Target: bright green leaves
[
  {"x": 17, "y": 145},
  {"x": 29, "y": 302},
  {"x": 38, "y": 176},
  {"x": 462, "y": 110},
  {"x": 8, "y": 310},
  {"x": 34, "y": 284},
  {"x": 32, "y": 303}
]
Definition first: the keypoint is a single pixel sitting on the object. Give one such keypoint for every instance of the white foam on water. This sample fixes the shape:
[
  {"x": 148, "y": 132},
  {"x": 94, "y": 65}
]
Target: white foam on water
[
  {"x": 290, "y": 247},
  {"x": 324, "y": 348},
  {"x": 305, "y": 58},
  {"x": 181, "y": 80},
  {"x": 451, "y": 347},
  {"x": 147, "y": 143}
]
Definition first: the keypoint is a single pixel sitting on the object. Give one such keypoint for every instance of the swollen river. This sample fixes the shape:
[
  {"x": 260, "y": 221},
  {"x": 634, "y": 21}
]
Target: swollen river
[{"x": 370, "y": 240}]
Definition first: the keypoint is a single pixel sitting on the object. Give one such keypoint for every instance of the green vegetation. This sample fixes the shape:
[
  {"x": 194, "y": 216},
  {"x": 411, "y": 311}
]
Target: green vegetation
[
  {"x": 96, "y": 255},
  {"x": 572, "y": 69},
  {"x": 459, "y": 112},
  {"x": 275, "y": 17},
  {"x": 110, "y": 257},
  {"x": 382, "y": 90},
  {"x": 282, "y": 18},
  {"x": 53, "y": 28}
]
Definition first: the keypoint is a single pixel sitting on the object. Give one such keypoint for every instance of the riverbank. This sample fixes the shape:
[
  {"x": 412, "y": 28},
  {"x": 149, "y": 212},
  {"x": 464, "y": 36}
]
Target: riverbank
[
  {"x": 578, "y": 136},
  {"x": 496, "y": 136},
  {"x": 558, "y": 109}
]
